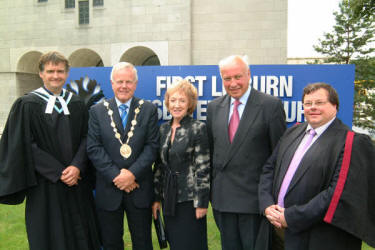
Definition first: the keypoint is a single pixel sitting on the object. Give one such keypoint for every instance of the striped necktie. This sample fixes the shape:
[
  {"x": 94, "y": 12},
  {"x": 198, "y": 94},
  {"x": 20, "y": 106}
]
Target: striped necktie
[{"x": 123, "y": 114}]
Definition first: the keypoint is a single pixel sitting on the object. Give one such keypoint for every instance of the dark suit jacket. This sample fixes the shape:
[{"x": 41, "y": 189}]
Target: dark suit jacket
[
  {"x": 104, "y": 151},
  {"x": 236, "y": 167},
  {"x": 310, "y": 190}
]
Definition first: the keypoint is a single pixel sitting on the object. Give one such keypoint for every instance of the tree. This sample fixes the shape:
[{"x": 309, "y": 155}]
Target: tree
[
  {"x": 350, "y": 42},
  {"x": 350, "y": 36},
  {"x": 363, "y": 8},
  {"x": 364, "y": 95}
]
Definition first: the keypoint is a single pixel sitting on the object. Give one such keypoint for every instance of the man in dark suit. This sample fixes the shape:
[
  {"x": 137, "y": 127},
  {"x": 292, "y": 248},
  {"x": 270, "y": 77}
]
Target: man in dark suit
[
  {"x": 299, "y": 179},
  {"x": 122, "y": 144},
  {"x": 243, "y": 127}
]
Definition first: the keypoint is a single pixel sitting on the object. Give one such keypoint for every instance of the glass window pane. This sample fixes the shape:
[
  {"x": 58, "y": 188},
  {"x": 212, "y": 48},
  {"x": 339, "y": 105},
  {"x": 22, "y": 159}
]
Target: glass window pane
[
  {"x": 83, "y": 12},
  {"x": 69, "y": 4},
  {"x": 98, "y": 2}
]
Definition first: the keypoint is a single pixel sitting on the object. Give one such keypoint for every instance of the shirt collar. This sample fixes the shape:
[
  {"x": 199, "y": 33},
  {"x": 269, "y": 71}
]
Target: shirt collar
[
  {"x": 243, "y": 98},
  {"x": 126, "y": 103},
  {"x": 320, "y": 130}
]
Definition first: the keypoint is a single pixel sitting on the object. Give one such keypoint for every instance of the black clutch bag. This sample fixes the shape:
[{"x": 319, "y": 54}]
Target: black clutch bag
[{"x": 160, "y": 232}]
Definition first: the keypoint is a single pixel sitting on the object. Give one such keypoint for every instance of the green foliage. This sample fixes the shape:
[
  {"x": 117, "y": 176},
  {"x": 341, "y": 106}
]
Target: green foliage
[
  {"x": 364, "y": 99},
  {"x": 363, "y": 8},
  {"x": 350, "y": 42},
  {"x": 350, "y": 37}
]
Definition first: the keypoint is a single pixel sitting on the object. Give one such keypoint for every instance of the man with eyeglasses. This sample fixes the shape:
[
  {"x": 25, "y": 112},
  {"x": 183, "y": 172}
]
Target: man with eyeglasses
[
  {"x": 243, "y": 127},
  {"x": 299, "y": 180}
]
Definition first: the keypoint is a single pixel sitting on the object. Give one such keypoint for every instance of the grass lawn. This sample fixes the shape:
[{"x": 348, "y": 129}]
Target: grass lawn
[{"x": 13, "y": 232}]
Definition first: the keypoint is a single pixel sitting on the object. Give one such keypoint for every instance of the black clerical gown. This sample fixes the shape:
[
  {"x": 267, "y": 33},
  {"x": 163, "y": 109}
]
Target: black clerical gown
[
  {"x": 35, "y": 148},
  {"x": 355, "y": 210}
]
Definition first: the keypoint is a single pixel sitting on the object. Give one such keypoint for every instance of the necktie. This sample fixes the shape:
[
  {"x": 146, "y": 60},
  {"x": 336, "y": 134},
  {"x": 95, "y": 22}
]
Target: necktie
[
  {"x": 298, "y": 155},
  {"x": 123, "y": 114},
  {"x": 234, "y": 121}
]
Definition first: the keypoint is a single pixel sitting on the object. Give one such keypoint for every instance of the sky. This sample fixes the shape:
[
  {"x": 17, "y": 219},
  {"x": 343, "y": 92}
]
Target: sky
[{"x": 307, "y": 21}]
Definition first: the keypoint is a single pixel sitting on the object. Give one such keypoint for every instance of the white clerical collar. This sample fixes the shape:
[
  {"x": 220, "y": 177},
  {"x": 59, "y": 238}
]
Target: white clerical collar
[{"x": 51, "y": 100}]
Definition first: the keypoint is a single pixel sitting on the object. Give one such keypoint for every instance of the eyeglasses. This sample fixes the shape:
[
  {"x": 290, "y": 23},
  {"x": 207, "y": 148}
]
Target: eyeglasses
[{"x": 316, "y": 103}]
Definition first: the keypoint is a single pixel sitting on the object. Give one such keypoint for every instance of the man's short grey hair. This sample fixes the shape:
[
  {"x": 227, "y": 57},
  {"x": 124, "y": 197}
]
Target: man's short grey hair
[
  {"x": 124, "y": 65},
  {"x": 230, "y": 59}
]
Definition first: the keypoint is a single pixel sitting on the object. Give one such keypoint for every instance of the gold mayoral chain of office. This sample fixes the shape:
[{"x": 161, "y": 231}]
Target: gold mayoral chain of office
[{"x": 125, "y": 149}]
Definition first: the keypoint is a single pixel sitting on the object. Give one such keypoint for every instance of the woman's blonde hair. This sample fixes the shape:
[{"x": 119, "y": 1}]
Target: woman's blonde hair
[{"x": 183, "y": 86}]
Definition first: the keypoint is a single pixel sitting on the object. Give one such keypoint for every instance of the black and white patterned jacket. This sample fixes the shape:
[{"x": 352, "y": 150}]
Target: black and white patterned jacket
[{"x": 188, "y": 158}]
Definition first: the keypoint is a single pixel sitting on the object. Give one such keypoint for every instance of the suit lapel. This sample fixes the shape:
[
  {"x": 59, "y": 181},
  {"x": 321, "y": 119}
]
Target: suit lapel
[
  {"x": 287, "y": 152},
  {"x": 165, "y": 139},
  {"x": 117, "y": 119},
  {"x": 222, "y": 121},
  {"x": 249, "y": 115},
  {"x": 116, "y": 116},
  {"x": 133, "y": 106},
  {"x": 306, "y": 162}
]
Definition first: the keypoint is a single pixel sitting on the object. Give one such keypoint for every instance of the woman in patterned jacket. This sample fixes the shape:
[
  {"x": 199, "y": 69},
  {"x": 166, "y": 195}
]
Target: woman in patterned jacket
[{"x": 182, "y": 172}]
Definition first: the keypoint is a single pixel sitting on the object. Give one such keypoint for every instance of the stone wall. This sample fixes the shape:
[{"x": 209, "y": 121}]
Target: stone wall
[{"x": 178, "y": 32}]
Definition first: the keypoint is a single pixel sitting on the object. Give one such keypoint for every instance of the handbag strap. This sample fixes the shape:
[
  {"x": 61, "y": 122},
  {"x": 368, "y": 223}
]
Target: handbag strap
[{"x": 342, "y": 177}]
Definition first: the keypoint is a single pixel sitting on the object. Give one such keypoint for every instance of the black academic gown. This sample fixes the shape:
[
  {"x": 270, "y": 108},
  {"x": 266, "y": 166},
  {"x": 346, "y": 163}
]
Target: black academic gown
[
  {"x": 34, "y": 149},
  {"x": 355, "y": 210}
]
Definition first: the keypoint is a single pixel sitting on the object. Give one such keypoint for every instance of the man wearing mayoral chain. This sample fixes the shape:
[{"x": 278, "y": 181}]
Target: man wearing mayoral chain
[
  {"x": 43, "y": 158},
  {"x": 122, "y": 144}
]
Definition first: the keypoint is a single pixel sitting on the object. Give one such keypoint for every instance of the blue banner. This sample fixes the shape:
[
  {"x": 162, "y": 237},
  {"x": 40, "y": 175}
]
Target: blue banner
[{"x": 284, "y": 81}]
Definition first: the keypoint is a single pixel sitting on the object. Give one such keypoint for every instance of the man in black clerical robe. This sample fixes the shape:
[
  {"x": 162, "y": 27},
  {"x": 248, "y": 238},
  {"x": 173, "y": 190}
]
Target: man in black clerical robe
[{"x": 43, "y": 158}]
